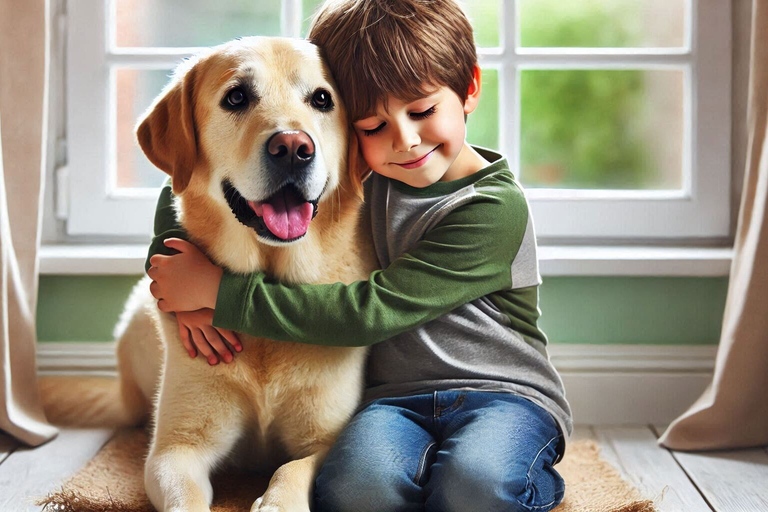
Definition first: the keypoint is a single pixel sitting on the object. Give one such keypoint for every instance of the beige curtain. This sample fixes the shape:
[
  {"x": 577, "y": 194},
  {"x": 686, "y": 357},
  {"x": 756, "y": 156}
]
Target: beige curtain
[
  {"x": 23, "y": 118},
  {"x": 733, "y": 411}
]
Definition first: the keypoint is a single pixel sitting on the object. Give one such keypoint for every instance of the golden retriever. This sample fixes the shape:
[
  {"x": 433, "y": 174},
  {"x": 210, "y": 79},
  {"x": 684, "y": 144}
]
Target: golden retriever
[{"x": 255, "y": 138}]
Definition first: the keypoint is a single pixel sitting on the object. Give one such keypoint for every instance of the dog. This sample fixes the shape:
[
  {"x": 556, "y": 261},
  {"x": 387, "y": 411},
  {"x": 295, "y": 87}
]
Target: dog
[{"x": 245, "y": 129}]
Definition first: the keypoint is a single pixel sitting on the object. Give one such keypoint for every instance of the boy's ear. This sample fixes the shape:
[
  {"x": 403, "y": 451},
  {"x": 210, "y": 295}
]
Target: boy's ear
[{"x": 473, "y": 92}]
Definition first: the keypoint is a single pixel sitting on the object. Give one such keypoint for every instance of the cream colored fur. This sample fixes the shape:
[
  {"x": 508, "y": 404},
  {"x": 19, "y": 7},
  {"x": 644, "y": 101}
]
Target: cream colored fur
[{"x": 280, "y": 405}]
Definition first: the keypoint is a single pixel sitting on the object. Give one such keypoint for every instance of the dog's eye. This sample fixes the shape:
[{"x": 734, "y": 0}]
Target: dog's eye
[
  {"x": 235, "y": 99},
  {"x": 322, "y": 100}
]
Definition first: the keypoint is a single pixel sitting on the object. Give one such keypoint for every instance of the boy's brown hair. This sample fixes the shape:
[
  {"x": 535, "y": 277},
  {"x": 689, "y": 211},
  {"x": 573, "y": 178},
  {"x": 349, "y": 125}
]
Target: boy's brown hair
[{"x": 403, "y": 48}]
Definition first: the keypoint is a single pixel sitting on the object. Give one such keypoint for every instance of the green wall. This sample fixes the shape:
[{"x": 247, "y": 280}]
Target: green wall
[{"x": 595, "y": 310}]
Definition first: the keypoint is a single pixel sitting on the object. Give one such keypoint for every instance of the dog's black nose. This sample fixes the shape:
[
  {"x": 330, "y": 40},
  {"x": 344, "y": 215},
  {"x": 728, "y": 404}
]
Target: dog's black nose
[{"x": 291, "y": 149}]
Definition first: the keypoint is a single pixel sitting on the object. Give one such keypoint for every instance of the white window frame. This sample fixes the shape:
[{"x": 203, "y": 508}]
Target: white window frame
[{"x": 701, "y": 210}]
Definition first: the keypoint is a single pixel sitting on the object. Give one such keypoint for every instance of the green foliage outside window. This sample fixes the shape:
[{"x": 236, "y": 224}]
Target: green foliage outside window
[{"x": 577, "y": 126}]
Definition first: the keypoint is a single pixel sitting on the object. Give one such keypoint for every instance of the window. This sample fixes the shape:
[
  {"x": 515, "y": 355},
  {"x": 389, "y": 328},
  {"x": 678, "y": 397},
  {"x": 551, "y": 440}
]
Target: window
[{"x": 615, "y": 114}]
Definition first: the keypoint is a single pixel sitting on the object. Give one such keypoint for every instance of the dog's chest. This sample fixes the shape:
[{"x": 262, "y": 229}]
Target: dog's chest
[{"x": 274, "y": 375}]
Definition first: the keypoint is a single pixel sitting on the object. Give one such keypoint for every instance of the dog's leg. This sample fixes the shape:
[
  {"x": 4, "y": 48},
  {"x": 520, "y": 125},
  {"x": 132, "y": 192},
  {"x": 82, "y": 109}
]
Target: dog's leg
[
  {"x": 290, "y": 488},
  {"x": 177, "y": 481},
  {"x": 195, "y": 430},
  {"x": 183, "y": 454}
]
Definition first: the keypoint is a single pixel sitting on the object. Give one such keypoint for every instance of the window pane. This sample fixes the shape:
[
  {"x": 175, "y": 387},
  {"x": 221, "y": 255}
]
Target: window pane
[
  {"x": 192, "y": 22},
  {"x": 602, "y": 23},
  {"x": 135, "y": 91},
  {"x": 485, "y": 16},
  {"x": 483, "y": 123},
  {"x": 308, "y": 8},
  {"x": 602, "y": 129}
]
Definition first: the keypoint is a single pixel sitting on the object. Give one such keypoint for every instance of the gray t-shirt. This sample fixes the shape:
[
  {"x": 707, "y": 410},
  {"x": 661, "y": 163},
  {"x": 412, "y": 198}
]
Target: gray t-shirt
[{"x": 490, "y": 343}]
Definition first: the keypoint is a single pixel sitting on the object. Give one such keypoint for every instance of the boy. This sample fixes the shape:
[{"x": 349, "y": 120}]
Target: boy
[{"x": 463, "y": 410}]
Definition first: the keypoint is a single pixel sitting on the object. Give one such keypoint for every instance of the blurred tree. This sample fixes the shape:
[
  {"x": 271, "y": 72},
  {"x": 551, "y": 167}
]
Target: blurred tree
[{"x": 577, "y": 128}]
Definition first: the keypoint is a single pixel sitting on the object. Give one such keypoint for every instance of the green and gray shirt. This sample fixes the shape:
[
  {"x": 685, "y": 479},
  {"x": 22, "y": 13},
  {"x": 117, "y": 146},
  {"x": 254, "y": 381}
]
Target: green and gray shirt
[{"x": 455, "y": 305}]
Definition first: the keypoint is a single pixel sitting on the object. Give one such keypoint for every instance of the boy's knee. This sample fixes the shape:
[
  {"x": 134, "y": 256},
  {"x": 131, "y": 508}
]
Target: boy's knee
[
  {"x": 464, "y": 488},
  {"x": 351, "y": 487},
  {"x": 369, "y": 496},
  {"x": 541, "y": 491},
  {"x": 477, "y": 489}
]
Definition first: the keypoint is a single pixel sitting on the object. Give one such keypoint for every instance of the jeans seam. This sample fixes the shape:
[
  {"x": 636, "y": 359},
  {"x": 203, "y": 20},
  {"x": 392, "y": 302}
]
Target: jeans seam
[
  {"x": 528, "y": 475},
  {"x": 421, "y": 468}
]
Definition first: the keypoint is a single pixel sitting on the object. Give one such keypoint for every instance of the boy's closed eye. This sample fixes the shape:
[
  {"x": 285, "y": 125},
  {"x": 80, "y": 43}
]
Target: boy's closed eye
[
  {"x": 373, "y": 131},
  {"x": 425, "y": 114},
  {"x": 413, "y": 115}
]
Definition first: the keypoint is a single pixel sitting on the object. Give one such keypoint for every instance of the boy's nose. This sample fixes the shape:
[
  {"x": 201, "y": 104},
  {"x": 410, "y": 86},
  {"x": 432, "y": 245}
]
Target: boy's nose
[{"x": 406, "y": 138}]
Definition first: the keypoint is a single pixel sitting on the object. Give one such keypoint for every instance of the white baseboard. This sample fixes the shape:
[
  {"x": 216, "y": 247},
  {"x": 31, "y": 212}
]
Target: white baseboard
[
  {"x": 91, "y": 358},
  {"x": 605, "y": 384},
  {"x": 632, "y": 384}
]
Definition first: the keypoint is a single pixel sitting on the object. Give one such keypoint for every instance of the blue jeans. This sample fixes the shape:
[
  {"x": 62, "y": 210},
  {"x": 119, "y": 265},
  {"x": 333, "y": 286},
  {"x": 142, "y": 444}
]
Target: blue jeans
[{"x": 464, "y": 451}]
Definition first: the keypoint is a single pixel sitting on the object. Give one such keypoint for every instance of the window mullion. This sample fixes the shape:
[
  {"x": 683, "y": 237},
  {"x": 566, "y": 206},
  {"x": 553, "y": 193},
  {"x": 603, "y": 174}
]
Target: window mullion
[
  {"x": 509, "y": 97},
  {"x": 290, "y": 18}
]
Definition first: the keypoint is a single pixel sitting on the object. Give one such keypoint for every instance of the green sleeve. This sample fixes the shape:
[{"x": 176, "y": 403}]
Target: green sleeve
[
  {"x": 466, "y": 256},
  {"x": 166, "y": 224}
]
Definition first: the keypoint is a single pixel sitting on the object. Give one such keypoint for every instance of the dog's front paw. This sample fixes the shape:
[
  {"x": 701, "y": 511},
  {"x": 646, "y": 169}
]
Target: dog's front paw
[
  {"x": 256, "y": 507},
  {"x": 267, "y": 505}
]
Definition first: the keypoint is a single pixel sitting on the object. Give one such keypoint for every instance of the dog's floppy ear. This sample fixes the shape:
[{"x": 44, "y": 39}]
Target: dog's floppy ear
[
  {"x": 356, "y": 166},
  {"x": 167, "y": 132}
]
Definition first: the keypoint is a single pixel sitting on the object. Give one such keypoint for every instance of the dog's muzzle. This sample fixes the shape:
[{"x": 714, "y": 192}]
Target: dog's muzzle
[
  {"x": 282, "y": 217},
  {"x": 285, "y": 215}
]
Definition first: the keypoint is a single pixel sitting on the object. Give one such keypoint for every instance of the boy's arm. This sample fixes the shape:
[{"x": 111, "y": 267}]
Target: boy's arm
[
  {"x": 166, "y": 225},
  {"x": 468, "y": 255},
  {"x": 195, "y": 328}
]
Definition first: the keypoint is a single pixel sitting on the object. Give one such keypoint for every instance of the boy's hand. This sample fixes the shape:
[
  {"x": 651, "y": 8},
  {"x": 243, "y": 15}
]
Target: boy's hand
[
  {"x": 199, "y": 335},
  {"x": 187, "y": 281}
]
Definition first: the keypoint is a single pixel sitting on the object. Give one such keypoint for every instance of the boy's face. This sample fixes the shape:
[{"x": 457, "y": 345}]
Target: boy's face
[{"x": 419, "y": 142}]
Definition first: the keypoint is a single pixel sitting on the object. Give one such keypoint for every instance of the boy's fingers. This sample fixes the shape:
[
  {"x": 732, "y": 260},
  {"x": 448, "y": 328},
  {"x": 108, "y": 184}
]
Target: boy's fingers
[
  {"x": 163, "y": 306},
  {"x": 154, "y": 289},
  {"x": 215, "y": 341},
  {"x": 157, "y": 261},
  {"x": 232, "y": 338},
  {"x": 202, "y": 345},
  {"x": 186, "y": 341},
  {"x": 176, "y": 243}
]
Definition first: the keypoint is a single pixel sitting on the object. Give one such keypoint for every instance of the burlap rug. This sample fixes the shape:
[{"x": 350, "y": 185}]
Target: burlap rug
[{"x": 112, "y": 481}]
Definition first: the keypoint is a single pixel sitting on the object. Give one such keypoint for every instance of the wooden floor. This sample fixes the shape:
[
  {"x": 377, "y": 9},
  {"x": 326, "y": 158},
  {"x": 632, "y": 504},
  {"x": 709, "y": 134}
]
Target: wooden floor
[{"x": 733, "y": 481}]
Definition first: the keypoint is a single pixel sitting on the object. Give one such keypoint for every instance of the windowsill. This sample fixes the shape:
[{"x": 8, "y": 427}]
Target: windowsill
[{"x": 553, "y": 260}]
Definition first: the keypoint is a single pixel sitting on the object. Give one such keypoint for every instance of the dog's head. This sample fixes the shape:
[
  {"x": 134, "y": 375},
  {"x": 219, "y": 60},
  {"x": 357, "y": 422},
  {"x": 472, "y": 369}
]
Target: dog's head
[{"x": 258, "y": 125}]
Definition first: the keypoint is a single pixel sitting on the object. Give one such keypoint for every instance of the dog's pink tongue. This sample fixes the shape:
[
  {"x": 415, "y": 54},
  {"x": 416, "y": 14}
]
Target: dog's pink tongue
[{"x": 286, "y": 215}]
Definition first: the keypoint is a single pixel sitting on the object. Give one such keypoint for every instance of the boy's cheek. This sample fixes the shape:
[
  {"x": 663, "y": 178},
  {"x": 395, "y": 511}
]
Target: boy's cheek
[{"x": 368, "y": 151}]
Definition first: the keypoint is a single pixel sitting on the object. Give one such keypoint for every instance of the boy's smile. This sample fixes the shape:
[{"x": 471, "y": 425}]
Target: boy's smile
[
  {"x": 418, "y": 162},
  {"x": 420, "y": 142}
]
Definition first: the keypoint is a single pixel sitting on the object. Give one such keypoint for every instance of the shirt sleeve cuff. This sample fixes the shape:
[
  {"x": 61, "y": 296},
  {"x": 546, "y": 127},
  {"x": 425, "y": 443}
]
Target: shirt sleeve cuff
[{"x": 231, "y": 301}]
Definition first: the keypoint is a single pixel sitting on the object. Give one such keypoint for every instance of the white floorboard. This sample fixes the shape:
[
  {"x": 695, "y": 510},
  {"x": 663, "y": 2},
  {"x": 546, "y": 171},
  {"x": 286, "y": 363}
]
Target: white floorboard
[
  {"x": 652, "y": 469},
  {"x": 732, "y": 481},
  {"x": 29, "y": 474}
]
